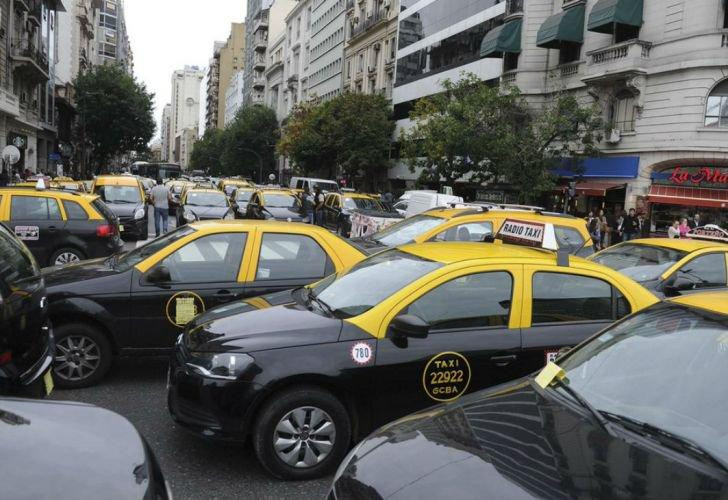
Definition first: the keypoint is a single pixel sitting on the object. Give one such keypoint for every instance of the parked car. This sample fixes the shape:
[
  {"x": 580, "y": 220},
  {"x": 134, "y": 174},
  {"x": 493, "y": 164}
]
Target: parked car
[
  {"x": 339, "y": 208},
  {"x": 228, "y": 185},
  {"x": 126, "y": 197},
  {"x": 275, "y": 204},
  {"x": 203, "y": 204},
  {"x": 240, "y": 199}
]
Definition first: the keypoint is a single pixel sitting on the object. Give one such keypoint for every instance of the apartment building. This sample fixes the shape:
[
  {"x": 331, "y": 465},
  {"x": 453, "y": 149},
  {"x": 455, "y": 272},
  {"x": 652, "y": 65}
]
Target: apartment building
[
  {"x": 234, "y": 96},
  {"x": 166, "y": 132},
  {"x": 256, "y": 42},
  {"x": 657, "y": 73},
  {"x": 231, "y": 62},
  {"x": 371, "y": 46},
  {"x": 268, "y": 26},
  {"x": 328, "y": 32},
  {"x": 184, "y": 114},
  {"x": 297, "y": 56},
  {"x": 113, "y": 45},
  {"x": 212, "y": 93}
]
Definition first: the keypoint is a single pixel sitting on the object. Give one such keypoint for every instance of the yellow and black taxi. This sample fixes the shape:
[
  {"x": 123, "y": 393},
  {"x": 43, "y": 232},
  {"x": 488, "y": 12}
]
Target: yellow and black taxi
[
  {"x": 68, "y": 184},
  {"x": 636, "y": 412},
  {"x": 199, "y": 204},
  {"x": 672, "y": 267},
  {"x": 275, "y": 204},
  {"x": 228, "y": 185},
  {"x": 126, "y": 197},
  {"x": 139, "y": 301},
  {"x": 26, "y": 339},
  {"x": 59, "y": 227},
  {"x": 339, "y": 207},
  {"x": 307, "y": 372},
  {"x": 474, "y": 224}
]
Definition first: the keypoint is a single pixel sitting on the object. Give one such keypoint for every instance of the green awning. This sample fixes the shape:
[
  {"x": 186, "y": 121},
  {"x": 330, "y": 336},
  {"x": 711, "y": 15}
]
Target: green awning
[
  {"x": 607, "y": 13},
  {"x": 504, "y": 38},
  {"x": 566, "y": 26}
]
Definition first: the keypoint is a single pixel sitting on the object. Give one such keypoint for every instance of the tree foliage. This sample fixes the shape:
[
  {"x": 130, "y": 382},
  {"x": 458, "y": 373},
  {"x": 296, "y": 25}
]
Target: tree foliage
[
  {"x": 348, "y": 135},
  {"x": 480, "y": 133},
  {"x": 115, "y": 113},
  {"x": 206, "y": 153}
]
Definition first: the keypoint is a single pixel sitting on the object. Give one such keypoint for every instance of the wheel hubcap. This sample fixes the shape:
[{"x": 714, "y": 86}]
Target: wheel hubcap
[
  {"x": 304, "y": 437},
  {"x": 66, "y": 258},
  {"x": 77, "y": 358}
]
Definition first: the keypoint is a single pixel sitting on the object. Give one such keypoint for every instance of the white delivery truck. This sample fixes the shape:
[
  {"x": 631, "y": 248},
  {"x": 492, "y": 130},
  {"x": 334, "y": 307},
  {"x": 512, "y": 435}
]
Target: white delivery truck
[{"x": 420, "y": 201}]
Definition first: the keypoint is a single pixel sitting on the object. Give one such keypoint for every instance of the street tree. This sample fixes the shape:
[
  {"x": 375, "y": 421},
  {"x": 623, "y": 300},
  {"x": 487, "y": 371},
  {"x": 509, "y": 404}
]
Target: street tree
[
  {"x": 248, "y": 143},
  {"x": 483, "y": 134},
  {"x": 115, "y": 113},
  {"x": 207, "y": 151}
]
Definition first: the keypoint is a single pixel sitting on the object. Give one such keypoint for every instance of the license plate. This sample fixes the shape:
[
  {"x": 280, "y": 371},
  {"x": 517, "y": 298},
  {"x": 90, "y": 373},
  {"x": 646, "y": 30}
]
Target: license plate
[
  {"x": 48, "y": 382},
  {"x": 121, "y": 228},
  {"x": 551, "y": 355}
]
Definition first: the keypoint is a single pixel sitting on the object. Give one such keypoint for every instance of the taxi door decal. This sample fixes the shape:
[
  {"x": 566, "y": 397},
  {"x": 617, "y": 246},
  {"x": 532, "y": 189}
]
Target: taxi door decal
[
  {"x": 182, "y": 307},
  {"x": 446, "y": 376},
  {"x": 27, "y": 233}
]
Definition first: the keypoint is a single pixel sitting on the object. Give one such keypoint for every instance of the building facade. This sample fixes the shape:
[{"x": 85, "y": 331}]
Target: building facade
[
  {"x": 656, "y": 72},
  {"x": 268, "y": 26},
  {"x": 297, "y": 55},
  {"x": 184, "y": 116},
  {"x": 113, "y": 45},
  {"x": 166, "y": 132},
  {"x": 328, "y": 33},
  {"x": 212, "y": 94},
  {"x": 371, "y": 46},
  {"x": 231, "y": 62},
  {"x": 234, "y": 96},
  {"x": 256, "y": 41}
]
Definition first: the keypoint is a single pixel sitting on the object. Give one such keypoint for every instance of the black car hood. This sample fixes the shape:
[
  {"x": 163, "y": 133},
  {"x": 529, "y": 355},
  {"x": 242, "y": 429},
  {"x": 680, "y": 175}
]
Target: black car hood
[
  {"x": 86, "y": 276},
  {"x": 511, "y": 442},
  {"x": 61, "y": 450},
  {"x": 124, "y": 209},
  {"x": 280, "y": 213},
  {"x": 247, "y": 327},
  {"x": 368, "y": 246},
  {"x": 207, "y": 212}
]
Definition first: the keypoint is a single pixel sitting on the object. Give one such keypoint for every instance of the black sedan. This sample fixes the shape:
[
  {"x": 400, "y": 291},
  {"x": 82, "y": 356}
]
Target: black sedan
[
  {"x": 275, "y": 204},
  {"x": 203, "y": 204},
  {"x": 637, "y": 412},
  {"x": 71, "y": 450}
]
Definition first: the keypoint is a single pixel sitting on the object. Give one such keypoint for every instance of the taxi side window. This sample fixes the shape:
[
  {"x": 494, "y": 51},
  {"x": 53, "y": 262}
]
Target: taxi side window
[
  {"x": 74, "y": 211},
  {"x": 475, "y": 301},
  {"x": 705, "y": 271},
  {"x": 34, "y": 208},
  {"x": 559, "y": 298},
  {"x": 209, "y": 259},
  {"x": 473, "y": 231},
  {"x": 291, "y": 256}
]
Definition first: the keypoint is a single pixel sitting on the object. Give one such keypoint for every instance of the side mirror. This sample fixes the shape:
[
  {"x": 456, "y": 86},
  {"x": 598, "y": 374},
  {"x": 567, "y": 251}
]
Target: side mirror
[
  {"x": 159, "y": 274},
  {"x": 409, "y": 325}
]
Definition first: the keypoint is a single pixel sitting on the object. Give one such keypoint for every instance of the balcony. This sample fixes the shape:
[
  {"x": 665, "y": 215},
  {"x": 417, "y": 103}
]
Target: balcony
[
  {"x": 22, "y": 5},
  {"x": 372, "y": 20},
  {"x": 9, "y": 103},
  {"x": 260, "y": 24},
  {"x": 514, "y": 8},
  {"x": 259, "y": 63},
  {"x": 260, "y": 43},
  {"x": 35, "y": 13},
  {"x": 257, "y": 98},
  {"x": 568, "y": 69},
  {"x": 258, "y": 82},
  {"x": 293, "y": 80},
  {"x": 29, "y": 60},
  {"x": 617, "y": 60}
]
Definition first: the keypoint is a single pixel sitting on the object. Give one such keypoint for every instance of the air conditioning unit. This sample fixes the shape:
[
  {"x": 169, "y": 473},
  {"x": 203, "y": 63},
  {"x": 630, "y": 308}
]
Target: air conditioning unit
[{"x": 614, "y": 136}]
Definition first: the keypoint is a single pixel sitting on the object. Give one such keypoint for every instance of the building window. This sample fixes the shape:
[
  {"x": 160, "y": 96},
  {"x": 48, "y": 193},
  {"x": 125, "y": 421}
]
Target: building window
[
  {"x": 622, "y": 33},
  {"x": 716, "y": 114},
  {"x": 623, "y": 111},
  {"x": 510, "y": 61},
  {"x": 569, "y": 52}
]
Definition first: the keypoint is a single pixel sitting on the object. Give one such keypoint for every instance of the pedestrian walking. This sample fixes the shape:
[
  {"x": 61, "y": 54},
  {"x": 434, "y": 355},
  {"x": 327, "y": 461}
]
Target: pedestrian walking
[
  {"x": 644, "y": 226},
  {"x": 318, "y": 200},
  {"x": 603, "y": 230},
  {"x": 4, "y": 178},
  {"x": 674, "y": 230},
  {"x": 593, "y": 225},
  {"x": 630, "y": 225},
  {"x": 684, "y": 228},
  {"x": 307, "y": 205},
  {"x": 160, "y": 197}
]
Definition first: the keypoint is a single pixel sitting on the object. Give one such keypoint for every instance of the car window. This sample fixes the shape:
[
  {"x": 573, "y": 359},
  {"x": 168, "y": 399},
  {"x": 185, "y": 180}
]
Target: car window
[
  {"x": 299, "y": 184},
  {"x": 206, "y": 200},
  {"x": 34, "y": 208},
  {"x": 291, "y": 256},
  {"x": 16, "y": 263},
  {"x": 119, "y": 194},
  {"x": 561, "y": 297},
  {"x": 74, "y": 211},
  {"x": 281, "y": 200},
  {"x": 103, "y": 210},
  {"x": 407, "y": 230},
  {"x": 569, "y": 239},
  {"x": 705, "y": 271},
  {"x": 473, "y": 301},
  {"x": 640, "y": 262},
  {"x": 209, "y": 259},
  {"x": 474, "y": 231}
]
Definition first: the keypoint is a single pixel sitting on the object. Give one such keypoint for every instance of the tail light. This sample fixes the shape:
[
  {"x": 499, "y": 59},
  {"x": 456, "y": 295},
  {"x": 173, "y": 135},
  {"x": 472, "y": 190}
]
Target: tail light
[
  {"x": 5, "y": 357},
  {"x": 105, "y": 231}
]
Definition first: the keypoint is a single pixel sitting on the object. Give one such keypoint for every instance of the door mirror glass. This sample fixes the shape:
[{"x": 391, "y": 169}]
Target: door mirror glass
[
  {"x": 159, "y": 274},
  {"x": 409, "y": 325}
]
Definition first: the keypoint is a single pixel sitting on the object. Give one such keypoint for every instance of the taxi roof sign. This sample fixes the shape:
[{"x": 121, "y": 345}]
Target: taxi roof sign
[
  {"x": 528, "y": 233},
  {"x": 709, "y": 232}
]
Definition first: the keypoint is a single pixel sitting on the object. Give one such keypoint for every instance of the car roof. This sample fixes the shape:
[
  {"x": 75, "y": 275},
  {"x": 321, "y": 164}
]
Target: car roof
[
  {"x": 59, "y": 193},
  {"x": 275, "y": 190},
  {"x": 685, "y": 245},
  {"x": 451, "y": 213},
  {"x": 117, "y": 180},
  {"x": 452, "y": 252},
  {"x": 356, "y": 195},
  {"x": 242, "y": 182},
  {"x": 204, "y": 190},
  {"x": 712, "y": 301},
  {"x": 242, "y": 224}
]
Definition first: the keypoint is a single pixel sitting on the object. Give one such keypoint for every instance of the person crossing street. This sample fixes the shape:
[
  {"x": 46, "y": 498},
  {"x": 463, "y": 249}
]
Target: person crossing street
[{"x": 160, "y": 197}]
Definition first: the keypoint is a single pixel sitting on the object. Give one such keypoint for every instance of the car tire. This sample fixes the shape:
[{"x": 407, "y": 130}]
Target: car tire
[
  {"x": 66, "y": 256},
  {"x": 293, "y": 410},
  {"x": 83, "y": 356}
]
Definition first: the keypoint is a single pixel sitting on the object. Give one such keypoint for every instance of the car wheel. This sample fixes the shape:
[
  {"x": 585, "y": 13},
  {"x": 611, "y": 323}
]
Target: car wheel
[
  {"x": 83, "y": 356},
  {"x": 66, "y": 256},
  {"x": 302, "y": 433}
]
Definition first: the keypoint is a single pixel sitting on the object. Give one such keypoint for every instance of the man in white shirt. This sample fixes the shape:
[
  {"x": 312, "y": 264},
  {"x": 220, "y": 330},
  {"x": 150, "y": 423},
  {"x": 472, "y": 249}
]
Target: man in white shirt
[{"x": 160, "y": 197}]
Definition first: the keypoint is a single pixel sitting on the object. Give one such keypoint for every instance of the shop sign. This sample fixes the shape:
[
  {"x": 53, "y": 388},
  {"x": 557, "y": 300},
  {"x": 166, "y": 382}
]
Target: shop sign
[
  {"x": 702, "y": 175},
  {"x": 491, "y": 196}
]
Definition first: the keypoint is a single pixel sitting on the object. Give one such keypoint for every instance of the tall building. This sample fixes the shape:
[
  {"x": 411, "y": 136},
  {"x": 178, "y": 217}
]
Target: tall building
[
  {"x": 231, "y": 61},
  {"x": 328, "y": 20},
  {"x": 297, "y": 53},
  {"x": 184, "y": 116},
  {"x": 269, "y": 24},
  {"x": 256, "y": 41},
  {"x": 165, "y": 132},
  {"x": 371, "y": 46},
  {"x": 234, "y": 97},
  {"x": 213, "y": 87},
  {"x": 111, "y": 36}
]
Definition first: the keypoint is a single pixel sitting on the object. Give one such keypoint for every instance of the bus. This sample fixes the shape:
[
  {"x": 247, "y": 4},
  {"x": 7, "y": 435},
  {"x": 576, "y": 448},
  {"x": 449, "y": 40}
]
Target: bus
[{"x": 156, "y": 170}]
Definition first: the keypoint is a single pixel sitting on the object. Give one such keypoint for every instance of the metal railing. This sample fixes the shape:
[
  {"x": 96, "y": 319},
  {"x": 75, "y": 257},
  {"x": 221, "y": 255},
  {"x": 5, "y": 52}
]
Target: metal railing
[
  {"x": 369, "y": 22},
  {"x": 28, "y": 50}
]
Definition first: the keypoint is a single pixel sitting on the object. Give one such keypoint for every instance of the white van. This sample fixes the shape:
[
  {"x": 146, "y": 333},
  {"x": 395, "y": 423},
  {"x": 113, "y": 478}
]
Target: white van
[
  {"x": 422, "y": 201},
  {"x": 303, "y": 182}
]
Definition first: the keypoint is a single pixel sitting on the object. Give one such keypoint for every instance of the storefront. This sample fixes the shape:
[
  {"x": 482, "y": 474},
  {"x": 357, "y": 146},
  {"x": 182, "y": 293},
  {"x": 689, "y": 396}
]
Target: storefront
[{"x": 683, "y": 191}]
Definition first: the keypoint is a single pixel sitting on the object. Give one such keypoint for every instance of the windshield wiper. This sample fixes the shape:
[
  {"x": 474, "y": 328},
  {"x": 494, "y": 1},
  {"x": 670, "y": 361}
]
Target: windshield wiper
[
  {"x": 668, "y": 439},
  {"x": 596, "y": 414}
]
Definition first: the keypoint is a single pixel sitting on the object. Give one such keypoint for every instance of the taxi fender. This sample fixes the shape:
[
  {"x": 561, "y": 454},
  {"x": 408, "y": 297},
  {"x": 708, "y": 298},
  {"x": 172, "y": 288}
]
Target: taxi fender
[
  {"x": 73, "y": 241},
  {"x": 80, "y": 307}
]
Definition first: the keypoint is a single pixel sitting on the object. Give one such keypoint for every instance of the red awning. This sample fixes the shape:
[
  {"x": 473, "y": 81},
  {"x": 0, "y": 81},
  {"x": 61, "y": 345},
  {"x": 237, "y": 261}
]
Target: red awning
[
  {"x": 691, "y": 196},
  {"x": 596, "y": 188}
]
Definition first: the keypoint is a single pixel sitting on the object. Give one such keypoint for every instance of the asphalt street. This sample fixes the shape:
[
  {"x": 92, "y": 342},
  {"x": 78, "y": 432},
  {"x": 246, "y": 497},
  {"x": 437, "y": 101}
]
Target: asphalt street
[{"x": 195, "y": 468}]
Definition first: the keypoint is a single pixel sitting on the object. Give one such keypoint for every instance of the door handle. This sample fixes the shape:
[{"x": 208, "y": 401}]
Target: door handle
[
  {"x": 226, "y": 295},
  {"x": 501, "y": 361},
  {"x": 51, "y": 228}
]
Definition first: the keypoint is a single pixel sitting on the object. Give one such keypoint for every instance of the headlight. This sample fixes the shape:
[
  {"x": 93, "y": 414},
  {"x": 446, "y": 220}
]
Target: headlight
[
  {"x": 190, "y": 217},
  {"x": 226, "y": 366},
  {"x": 139, "y": 214},
  {"x": 229, "y": 216}
]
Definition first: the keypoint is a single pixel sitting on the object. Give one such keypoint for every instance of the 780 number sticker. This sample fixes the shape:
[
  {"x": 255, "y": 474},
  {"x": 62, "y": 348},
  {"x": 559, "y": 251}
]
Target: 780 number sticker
[{"x": 446, "y": 376}]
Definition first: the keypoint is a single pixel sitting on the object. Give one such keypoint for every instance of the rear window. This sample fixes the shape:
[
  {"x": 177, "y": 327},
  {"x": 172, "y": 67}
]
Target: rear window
[
  {"x": 74, "y": 211},
  {"x": 16, "y": 263},
  {"x": 103, "y": 210}
]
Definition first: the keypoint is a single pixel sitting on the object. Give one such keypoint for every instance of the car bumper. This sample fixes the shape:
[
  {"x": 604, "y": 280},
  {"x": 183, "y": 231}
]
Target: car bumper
[
  {"x": 31, "y": 382},
  {"x": 104, "y": 247},
  {"x": 133, "y": 227},
  {"x": 212, "y": 408}
]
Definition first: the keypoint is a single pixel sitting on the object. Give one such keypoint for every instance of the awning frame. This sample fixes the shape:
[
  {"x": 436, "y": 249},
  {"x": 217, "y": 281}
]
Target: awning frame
[
  {"x": 608, "y": 13},
  {"x": 565, "y": 27},
  {"x": 505, "y": 38}
]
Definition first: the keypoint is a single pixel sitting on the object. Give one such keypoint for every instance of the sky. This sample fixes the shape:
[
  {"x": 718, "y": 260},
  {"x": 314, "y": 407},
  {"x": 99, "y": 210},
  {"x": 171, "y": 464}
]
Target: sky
[{"x": 166, "y": 35}]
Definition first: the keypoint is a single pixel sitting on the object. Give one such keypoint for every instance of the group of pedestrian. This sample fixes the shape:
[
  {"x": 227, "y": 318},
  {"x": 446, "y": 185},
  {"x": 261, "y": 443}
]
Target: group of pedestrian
[
  {"x": 680, "y": 228},
  {"x": 312, "y": 205},
  {"x": 609, "y": 229}
]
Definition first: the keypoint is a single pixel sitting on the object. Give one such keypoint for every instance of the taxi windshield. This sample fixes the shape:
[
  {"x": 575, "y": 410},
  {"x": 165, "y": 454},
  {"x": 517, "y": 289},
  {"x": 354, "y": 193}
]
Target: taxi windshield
[
  {"x": 243, "y": 195},
  {"x": 662, "y": 367},
  {"x": 280, "y": 200},
  {"x": 642, "y": 263},
  {"x": 134, "y": 257},
  {"x": 407, "y": 230},
  {"x": 206, "y": 200},
  {"x": 118, "y": 194},
  {"x": 371, "y": 281}
]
